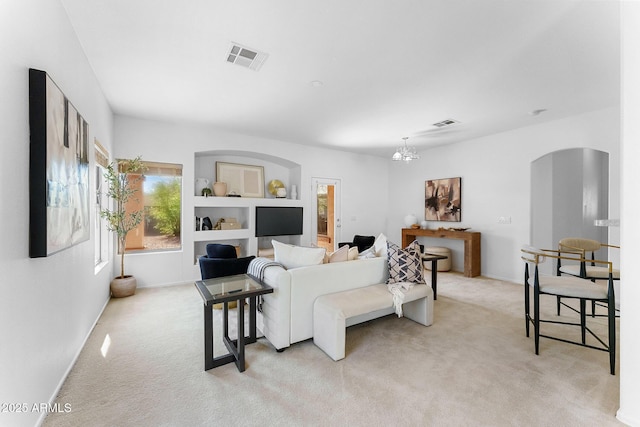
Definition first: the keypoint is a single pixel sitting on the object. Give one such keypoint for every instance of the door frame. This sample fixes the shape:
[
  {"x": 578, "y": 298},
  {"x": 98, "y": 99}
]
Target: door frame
[{"x": 337, "y": 225}]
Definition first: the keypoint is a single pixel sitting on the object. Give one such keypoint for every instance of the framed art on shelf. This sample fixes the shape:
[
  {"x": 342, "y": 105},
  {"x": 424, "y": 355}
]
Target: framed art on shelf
[
  {"x": 242, "y": 180},
  {"x": 442, "y": 200},
  {"x": 58, "y": 169}
]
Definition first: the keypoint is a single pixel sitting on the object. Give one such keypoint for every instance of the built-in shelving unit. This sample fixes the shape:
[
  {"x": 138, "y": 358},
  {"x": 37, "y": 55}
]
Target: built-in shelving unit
[{"x": 241, "y": 208}]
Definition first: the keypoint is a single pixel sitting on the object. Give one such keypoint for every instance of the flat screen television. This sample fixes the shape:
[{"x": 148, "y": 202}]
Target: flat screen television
[{"x": 278, "y": 221}]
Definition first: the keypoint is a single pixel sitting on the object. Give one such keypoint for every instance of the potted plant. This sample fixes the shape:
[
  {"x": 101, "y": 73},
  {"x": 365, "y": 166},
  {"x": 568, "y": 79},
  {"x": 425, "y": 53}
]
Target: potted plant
[{"x": 120, "y": 189}]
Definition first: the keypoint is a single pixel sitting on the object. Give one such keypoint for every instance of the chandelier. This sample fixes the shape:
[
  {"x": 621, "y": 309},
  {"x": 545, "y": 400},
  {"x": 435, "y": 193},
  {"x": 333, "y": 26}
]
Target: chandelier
[{"x": 405, "y": 153}]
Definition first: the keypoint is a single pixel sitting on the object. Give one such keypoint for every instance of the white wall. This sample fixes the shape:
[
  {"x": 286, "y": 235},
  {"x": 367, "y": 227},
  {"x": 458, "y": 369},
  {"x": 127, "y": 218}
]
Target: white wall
[
  {"x": 364, "y": 184},
  {"x": 495, "y": 173},
  {"x": 629, "y": 411},
  {"x": 47, "y": 305}
]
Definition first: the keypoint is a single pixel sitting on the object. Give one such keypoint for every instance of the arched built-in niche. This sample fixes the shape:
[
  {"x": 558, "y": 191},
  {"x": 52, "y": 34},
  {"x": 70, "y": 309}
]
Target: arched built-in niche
[
  {"x": 242, "y": 209},
  {"x": 569, "y": 191}
]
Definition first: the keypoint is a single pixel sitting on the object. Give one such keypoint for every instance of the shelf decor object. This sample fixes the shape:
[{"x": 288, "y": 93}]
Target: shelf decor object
[
  {"x": 443, "y": 200},
  {"x": 58, "y": 169},
  {"x": 220, "y": 188},
  {"x": 242, "y": 180},
  {"x": 274, "y": 186}
]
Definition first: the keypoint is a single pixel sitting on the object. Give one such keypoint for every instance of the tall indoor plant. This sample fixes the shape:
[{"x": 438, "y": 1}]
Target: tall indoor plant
[{"x": 119, "y": 176}]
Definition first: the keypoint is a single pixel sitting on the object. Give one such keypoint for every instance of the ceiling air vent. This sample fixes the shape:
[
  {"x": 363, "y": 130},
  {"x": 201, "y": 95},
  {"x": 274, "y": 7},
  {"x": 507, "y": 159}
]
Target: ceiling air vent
[
  {"x": 248, "y": 58},
  {"x": 444, "y": 123}
]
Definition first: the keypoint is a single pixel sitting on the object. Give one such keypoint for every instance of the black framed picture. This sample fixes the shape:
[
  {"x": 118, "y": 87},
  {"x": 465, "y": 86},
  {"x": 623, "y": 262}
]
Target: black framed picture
[{"x": 58, "y": 170}]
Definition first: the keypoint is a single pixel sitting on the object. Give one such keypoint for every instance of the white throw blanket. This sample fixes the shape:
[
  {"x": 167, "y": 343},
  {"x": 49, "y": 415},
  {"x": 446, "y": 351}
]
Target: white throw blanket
[
  {"x": 257, "y": 268},
  {"x": 398, "y": 290}
]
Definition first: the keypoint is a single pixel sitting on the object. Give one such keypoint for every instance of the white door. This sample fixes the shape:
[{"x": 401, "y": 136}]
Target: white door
[{"x": 325, "y": 213}]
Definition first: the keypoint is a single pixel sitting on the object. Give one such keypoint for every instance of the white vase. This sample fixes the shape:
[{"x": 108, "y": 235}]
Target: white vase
[
  {"x": 200, "y": 184},
  {"x": 424, "y": 224},
  {"x": 409, "y": 220},
  {"x": 294, "y": 192}
]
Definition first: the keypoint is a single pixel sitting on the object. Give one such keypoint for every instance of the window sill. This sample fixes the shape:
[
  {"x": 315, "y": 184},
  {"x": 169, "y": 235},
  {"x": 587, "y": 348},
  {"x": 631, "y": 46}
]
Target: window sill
[{"x": 98, "y": 268}]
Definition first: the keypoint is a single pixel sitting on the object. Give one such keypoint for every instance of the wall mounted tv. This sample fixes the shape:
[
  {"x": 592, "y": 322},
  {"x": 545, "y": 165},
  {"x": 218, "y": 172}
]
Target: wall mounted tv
[{"x": 278, "y": 221}]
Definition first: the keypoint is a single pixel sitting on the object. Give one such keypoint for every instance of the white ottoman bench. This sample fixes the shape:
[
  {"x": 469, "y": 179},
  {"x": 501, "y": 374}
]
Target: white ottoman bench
[{"x": 333, "y": 313}]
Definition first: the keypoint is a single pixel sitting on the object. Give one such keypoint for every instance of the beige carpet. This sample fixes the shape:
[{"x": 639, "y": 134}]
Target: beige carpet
[{"x": 472, "y": 367}]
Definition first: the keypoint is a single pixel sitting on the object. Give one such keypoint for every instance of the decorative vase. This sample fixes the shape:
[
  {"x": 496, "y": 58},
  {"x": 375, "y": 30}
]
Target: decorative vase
[
  {"x": 123, "y": 286},
  {"x": 220, "y": 188},
  {"x": 294, "y": 192},
  {"x": 409, "y": 220},
  {"x": 424, "y": 224},
  {"x": 200, "y": 184}
]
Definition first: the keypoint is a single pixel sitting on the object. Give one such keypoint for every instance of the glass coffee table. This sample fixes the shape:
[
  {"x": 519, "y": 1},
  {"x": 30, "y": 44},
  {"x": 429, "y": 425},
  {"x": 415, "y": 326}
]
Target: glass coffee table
[{"x": 224, "y": 290}]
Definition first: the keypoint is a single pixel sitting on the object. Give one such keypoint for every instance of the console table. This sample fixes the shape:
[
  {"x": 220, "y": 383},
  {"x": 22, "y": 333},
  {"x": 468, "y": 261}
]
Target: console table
[{"x": 471, "y": 245}]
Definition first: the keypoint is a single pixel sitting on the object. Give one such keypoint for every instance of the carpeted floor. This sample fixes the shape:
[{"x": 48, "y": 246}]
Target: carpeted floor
[{"x": 472, "y": 367}]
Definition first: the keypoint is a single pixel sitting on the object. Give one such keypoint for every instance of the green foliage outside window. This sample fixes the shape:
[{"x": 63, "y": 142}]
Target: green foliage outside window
[{"x": 165, "y": 206}]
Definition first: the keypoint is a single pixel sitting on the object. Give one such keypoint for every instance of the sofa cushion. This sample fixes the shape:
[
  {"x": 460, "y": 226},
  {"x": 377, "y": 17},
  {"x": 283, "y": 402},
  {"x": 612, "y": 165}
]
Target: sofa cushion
[
  {"x": 405, "y": 265},
  {"x": 380, "y": 245},
  {"x": 353, "y": 254},
  {"x": 368, "y": 253},
  {"x": 296, "y": 256},
  {"x": 341, "y": 255}
]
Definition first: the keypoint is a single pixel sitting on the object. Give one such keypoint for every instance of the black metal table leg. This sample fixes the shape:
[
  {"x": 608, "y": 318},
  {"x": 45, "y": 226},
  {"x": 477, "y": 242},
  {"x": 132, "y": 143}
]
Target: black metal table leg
[
  {"x": 240, "y": 341},
  {"x": 208, "y": 337},
  {"x": 434, "y": 278}
]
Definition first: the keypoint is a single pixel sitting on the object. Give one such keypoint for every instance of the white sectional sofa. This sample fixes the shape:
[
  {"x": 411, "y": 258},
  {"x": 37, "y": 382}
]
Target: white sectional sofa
[{"x": 287, "y": 313}]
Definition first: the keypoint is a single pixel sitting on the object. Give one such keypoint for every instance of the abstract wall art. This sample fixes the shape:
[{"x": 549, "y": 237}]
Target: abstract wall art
[
  {"x": 58, "y": 170},
  {"x": 442, "y": 200}
]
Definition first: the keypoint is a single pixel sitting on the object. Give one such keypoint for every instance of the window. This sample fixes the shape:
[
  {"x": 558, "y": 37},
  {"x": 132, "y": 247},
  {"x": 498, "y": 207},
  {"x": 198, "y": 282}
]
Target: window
[
  {"x": 101, "y": 248},
  {"x": 161, "y": 202}
]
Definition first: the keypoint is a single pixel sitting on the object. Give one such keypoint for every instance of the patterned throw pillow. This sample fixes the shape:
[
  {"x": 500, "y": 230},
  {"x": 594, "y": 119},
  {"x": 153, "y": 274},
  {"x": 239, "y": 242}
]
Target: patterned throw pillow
[{"x": 405, "y": 265}]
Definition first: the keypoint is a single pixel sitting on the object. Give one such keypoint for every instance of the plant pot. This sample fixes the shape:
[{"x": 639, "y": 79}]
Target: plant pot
[{"x": 123, "y": 287}]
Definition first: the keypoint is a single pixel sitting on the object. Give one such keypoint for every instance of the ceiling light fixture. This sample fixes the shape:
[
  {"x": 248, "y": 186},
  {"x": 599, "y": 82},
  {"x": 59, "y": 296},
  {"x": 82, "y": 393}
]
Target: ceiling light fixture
[{"x": 405, "y": 153}]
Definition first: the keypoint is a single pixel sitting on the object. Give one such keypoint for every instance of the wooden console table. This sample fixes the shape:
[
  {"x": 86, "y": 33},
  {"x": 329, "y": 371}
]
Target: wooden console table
[{"x": 471, "y": 245}]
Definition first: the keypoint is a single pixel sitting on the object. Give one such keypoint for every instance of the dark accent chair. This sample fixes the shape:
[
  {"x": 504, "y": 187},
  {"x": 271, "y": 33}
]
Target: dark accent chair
[
  {"x": 222, "y": 260},
  {"x": 362, "y": 242}
]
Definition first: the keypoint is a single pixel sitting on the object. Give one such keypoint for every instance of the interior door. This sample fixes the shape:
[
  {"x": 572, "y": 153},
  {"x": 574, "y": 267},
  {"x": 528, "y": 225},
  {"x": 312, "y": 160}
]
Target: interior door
[{"x": 325, "y": 217}]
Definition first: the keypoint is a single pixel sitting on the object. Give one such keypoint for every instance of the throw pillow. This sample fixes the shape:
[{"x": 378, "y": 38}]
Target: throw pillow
[
  {"x": 341, "y": 255},
  {"x": 405, "y": 265},
  {"x": 296, "y": 256},
  {"x": 380, "y": 245},
  {"x": 353, "y": 254},
  {"x": 367, "y": 253}
]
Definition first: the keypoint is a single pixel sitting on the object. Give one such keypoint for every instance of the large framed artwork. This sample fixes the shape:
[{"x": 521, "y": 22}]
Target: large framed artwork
[
  {"x": 442, "y": 200},
  {"x": 58, "y": 169},
  {"x": 242, "y": 180}
]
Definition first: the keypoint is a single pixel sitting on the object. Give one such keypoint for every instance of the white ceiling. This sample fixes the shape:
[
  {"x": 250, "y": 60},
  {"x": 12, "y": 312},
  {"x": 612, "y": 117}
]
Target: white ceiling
[{"x": 389, "y": 68}]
